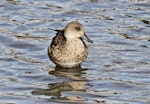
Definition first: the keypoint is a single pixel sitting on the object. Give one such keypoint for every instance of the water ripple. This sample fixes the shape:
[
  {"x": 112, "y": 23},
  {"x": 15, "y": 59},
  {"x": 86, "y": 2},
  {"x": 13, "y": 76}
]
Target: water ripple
[{"x": 116, "y": 70}]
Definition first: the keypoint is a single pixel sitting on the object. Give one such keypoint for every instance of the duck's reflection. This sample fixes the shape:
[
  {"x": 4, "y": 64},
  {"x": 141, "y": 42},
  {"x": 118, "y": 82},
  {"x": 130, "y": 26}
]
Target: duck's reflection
[
  {"x": 72, "y": 73},
  {"x": 73, "y": 81}
]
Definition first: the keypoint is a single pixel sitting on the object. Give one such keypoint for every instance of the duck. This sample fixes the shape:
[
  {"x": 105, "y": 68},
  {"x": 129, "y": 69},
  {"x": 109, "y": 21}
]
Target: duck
[{"x": 68, "y": 49}]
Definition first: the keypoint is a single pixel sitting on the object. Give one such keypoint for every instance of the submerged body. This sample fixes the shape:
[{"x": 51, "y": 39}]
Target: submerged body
[{"x": 68, "y": 49}]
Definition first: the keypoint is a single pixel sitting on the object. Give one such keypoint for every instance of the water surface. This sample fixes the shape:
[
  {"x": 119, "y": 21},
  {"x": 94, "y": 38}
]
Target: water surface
[{"x": 117, "y": 70}]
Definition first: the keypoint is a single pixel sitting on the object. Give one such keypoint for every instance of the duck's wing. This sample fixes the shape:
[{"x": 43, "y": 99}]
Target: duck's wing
[{"x": 59, "y": 39}]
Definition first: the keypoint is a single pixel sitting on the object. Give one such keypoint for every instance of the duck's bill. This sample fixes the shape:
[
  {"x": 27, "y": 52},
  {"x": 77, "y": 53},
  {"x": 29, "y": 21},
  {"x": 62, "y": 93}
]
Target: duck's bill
[{"x": 87, "y": 38}]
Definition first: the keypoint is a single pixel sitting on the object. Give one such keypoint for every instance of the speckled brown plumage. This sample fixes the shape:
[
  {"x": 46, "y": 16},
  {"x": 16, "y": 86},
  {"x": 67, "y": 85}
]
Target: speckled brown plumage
[{"x": 68, "y": 51}]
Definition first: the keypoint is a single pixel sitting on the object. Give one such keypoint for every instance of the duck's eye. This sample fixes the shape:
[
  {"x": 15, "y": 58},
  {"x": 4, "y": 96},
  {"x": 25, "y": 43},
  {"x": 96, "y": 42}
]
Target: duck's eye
[{"x": 78, "y": 28}]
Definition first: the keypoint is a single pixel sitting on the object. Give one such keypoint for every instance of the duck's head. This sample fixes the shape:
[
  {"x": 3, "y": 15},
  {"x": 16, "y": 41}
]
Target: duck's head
[{"x": 75, "y": 30}]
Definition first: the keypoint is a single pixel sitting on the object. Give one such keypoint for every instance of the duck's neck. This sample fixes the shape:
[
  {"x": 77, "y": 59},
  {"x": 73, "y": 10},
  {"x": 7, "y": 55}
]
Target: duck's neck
[{"x": 75, "y": 44}]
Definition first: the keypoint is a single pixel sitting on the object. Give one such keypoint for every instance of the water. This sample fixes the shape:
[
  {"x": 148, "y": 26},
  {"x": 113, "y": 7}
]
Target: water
[{"x": 117, "y": 70}]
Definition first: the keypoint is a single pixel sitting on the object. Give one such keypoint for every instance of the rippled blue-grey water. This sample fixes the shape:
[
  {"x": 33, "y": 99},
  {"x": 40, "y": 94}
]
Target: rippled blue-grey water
[{"x": 117, "y": 70}]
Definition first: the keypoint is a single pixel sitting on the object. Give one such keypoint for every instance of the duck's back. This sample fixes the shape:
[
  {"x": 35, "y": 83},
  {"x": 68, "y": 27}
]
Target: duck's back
[
  {"x": 59, "y": 39},
  {"x": 56, "y": 45}
]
